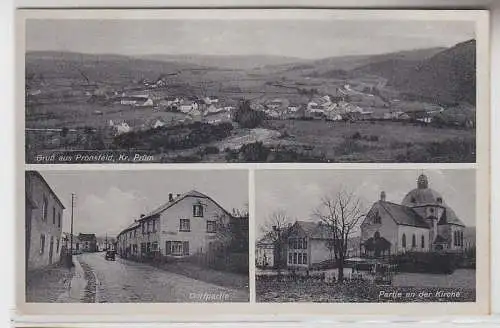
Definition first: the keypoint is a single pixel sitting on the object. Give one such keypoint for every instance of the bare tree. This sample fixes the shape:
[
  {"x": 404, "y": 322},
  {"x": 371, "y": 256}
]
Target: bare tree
[
  {"x": 276, "y": 228},
  {"x": 342, "y": 213}
]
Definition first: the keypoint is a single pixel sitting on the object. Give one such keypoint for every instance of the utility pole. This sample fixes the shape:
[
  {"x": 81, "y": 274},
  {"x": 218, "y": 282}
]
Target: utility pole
[{"x": 71, "y": 233}]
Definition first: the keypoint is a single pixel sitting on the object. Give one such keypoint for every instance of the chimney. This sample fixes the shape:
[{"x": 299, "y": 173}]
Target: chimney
[
  {"x": 170, "y": 197},
  {"x": 382, "y": 196}
]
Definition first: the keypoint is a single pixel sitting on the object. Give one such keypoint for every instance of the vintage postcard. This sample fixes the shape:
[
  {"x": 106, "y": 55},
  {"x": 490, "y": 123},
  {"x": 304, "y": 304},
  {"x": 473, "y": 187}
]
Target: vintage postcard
[
  {"x": 249, "y": 86},
  {"x": 217, "y": 164}
]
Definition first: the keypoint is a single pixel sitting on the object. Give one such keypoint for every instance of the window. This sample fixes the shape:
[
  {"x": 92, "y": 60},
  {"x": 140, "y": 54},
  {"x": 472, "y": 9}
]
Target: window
[
  {"x": 376, "y": 235},
  {"x": 431, "y": 210},
  {"x": 198, "y": 210},
  {"x": 295, "y": 258},
  {"x": 143, "y": 248},
  {"x": 211, "y": 225},
  {"x": 148, "y": 247},
  {"x": 154, "y": 246},
  {"x": 377, "y": 219},
  {"x": 59, "y": 220},
  {"x": 57, "y": 246},
  {"x": 304, "y": 258},
  {"x": 305, "y": 243},
  {"x": 413, "y": 241},
  {"x": 143, "y": 226},
  {"x": 135, "y": 233},
  {"x": 184, "y": 225},
  {"x": 154, "y": 225},
  {"x": 177, "y": 248},
  {"x": 455, "y": 238},
  {"x": 290, "y": 258},
  {"x": 53, "y": 215},
  {"x": 413, "y": 200},
  {"x": 422, "y": 241},
  {"x": 42, "y": 243},
  {"x": 299, "y": 261},
  {"x": 461, "y": 238},
  {"x": 45, "y": 205},
  {"x": 403, "y": 241}
]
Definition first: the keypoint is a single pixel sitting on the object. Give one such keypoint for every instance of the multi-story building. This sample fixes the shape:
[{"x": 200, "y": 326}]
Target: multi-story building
[
  {"x": 43, "y": 215},
  {"x": 186, "y": 225}
]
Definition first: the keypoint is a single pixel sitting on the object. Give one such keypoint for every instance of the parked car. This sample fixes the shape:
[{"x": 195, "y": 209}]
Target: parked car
[{"x": 110, "y": 255}]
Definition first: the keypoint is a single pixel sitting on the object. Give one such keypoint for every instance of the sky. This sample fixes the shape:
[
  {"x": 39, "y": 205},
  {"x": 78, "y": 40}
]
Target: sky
[
  {"x": 306, "y": 39},
  {"x": 109, "y": 201},
  {"x": 298, "y": 192}
]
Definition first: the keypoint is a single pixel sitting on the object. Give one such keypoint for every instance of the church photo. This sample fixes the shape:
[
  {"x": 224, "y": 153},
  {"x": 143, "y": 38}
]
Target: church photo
[{"x": 359, "y": 235}]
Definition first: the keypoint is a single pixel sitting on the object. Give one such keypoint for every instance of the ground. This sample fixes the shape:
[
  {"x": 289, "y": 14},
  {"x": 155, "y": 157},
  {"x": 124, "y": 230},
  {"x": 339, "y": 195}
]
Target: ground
[
  {"x": 406, "y": 287},
  {"x": 96, "y": 280}
]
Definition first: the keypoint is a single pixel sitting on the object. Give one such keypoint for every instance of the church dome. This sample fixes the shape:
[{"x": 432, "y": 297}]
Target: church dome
[{"x": 422, "y": 195}]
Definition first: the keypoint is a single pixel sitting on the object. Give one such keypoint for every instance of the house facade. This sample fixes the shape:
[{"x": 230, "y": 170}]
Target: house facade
[
  {"x": 185, "y": 225},
  {"x": 87, "y": 242},
  {"x": 43, "y": 222},
  {"x": 423, "y": 222},
  {"x": 308, "y": 244}
]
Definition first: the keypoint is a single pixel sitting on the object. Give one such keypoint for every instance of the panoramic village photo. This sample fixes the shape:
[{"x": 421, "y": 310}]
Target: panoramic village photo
[
  {"x": 249, "y": 90},
  {"x": 136, "y": 236},
  {"x": 365, "y": 235}
]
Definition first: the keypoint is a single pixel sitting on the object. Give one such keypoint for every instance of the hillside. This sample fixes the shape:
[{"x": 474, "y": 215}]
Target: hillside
[
  {"x": 242, "y": 62},
  {"x": 447, "y": 77}
]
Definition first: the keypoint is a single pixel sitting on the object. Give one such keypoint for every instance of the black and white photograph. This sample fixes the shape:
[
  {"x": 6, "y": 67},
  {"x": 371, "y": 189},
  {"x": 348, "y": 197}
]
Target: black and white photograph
[
  {"x": 136, "y": 236},
  {"x": 223, "y": 88},
  {"x": 359, "y": 235}
]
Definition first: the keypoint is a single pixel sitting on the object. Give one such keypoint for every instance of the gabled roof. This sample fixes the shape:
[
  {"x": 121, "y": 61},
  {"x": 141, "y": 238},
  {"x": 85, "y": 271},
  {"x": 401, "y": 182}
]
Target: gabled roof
[
  {"x": 402, "y": 215},
  {"x": 192, "y": 193},
  {"x": 314, "y": 230}
]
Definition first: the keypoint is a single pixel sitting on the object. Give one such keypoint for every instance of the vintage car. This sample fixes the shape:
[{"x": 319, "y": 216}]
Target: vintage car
[{"x": 110, "y": 255}]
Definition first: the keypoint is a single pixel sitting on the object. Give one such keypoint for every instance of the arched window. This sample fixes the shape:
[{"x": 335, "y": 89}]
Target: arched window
[
  {"x": 455, "y": 238},
  {"x": 461, "y": 238},
  {"x": 413, "y": 241},
  {"x": 422, "y": 241},
  {"x": 403, "y": 241}
]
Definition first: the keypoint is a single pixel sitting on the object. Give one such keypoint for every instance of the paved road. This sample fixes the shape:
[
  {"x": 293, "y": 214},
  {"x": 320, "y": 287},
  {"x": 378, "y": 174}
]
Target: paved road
[{"x": 124, "y": 281}]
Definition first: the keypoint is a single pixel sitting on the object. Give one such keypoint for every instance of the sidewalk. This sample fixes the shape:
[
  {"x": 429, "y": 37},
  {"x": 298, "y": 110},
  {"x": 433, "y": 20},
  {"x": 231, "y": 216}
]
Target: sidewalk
[{"x": 55, "y": 284}]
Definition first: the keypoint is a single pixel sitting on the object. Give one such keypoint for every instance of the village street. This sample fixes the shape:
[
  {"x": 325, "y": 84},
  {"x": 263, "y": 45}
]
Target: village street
[
  {"x": 95, "y": 280},
  {"x": 126, "y": 281}
]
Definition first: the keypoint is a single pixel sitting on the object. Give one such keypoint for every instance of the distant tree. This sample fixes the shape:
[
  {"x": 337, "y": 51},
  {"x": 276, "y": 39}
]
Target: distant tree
[
  {"x": 342, "y": 213},
  {"x": 276, "y": 228},
  {"x": 246, "y": 117}
]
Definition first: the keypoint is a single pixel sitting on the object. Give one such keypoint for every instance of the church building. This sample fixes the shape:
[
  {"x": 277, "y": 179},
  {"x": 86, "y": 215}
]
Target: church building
[{"x": 423, "y": 222}]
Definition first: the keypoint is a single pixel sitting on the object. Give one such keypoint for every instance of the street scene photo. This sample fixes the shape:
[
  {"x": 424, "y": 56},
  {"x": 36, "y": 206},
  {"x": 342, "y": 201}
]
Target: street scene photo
[
  {"x": 136, "y": 236},
  {"x": 232, "y": 89},
  {"x": 360, "y": 235}
]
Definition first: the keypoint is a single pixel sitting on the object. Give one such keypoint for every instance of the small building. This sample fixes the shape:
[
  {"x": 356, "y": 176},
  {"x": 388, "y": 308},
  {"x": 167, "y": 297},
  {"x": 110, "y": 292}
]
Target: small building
[
  {"x": 120, "y": 127},
  {"x": 43, "y": 222},
  {"x": 264, "y": 252},
  {"x": 138, "y": 101}
]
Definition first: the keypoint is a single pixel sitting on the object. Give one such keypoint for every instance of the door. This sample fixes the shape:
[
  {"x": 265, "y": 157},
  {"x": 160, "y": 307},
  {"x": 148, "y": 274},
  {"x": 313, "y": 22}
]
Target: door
[{"x": 51, "y": 249}]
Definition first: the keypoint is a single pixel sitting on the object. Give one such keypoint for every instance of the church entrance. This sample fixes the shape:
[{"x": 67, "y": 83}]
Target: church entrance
[{"x": 377, "y": 246}]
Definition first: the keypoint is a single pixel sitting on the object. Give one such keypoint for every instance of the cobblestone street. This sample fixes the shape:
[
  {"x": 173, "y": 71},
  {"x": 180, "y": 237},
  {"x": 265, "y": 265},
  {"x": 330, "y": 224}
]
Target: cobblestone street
[{"x": 96, "y": 280}]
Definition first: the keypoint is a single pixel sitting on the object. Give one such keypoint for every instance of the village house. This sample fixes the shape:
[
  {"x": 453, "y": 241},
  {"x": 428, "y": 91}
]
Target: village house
[
  {"x": 422, "y": 222},
  {"x": 211, "y": 100},
  {"x": 88, "y": 242},
  {"x": 137, "y": 100},
  {"x": 120, "y": 127},
  {"x": 43, "y": 225},
  {"x": 186, "y": 225}
]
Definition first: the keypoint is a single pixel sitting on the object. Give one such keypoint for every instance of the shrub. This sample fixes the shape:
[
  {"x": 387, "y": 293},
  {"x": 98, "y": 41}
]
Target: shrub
[
  {"x": 356, "y": 136},
  {"x": 254, "y": 152},
  {"x": 246, "y": 117}
]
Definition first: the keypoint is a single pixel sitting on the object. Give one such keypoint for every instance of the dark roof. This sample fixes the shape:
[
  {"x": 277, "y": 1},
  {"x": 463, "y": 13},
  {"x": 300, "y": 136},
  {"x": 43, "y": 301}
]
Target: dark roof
[
  {"x": 421, "y": 196},
  {"x": 314, "y": 230},
  {"x": 450, "y": 217},
  {"x": 402, "y": 215},
  {"x": 37, "y": 174}
]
